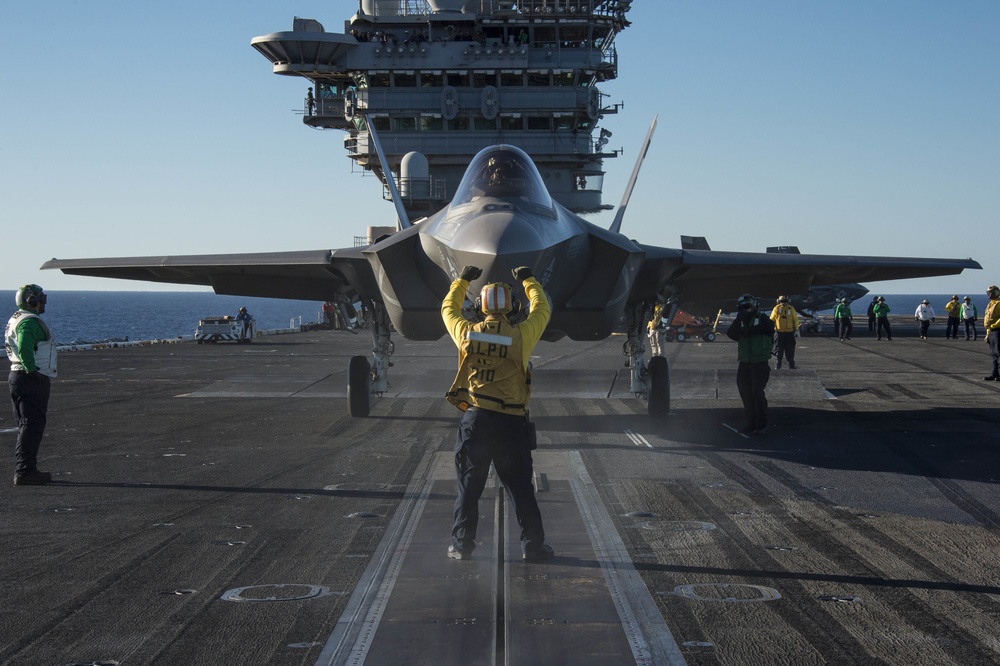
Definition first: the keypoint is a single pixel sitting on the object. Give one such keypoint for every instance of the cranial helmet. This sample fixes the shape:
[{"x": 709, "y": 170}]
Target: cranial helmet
[
  {"x": 30, "y": 296},
  {"x": 926, "y": 302},
  {"x": 782, "y": 299},
  {"x": 966, "y": 299},
  {"x": 993, "y": 291},
  {"x": 747, "y": 302},
  {"x": 497, "y": 298},
  {"x": 881, "y": 299}
]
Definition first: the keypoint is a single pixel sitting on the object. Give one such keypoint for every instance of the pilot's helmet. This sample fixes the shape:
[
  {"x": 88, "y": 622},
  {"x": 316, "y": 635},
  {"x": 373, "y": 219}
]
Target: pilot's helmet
[
  {"x": 782, "y": 299},
  {"x": 497, "y": 298},
  {"x": 993, "y": 291},
  {"x": 500, "y": 168},
  {"x": 747, "y": 303}
]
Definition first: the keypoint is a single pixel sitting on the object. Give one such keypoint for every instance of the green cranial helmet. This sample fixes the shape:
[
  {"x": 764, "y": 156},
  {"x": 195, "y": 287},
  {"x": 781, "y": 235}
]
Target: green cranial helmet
[
  {"x": 747, "y": 303},
  {"x": 30, "y": 296}
]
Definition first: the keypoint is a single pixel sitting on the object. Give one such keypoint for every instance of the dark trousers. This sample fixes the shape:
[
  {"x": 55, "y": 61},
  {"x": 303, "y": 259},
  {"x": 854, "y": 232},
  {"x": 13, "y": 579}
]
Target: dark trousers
[
  {"x": 486, "y": 437},
  {"x": 751, "y": 380},
  {"x": 924, "y": 325},
  {"x": 785, "y": 345},
  {"x": 970, "y": 329},
  {"x": 883, "y": 323},
  {"x": 29, "y": 393},
  {"x": 952, "y": 328},
  {"x": 871, "y": 323},
  {"x": 993, "y": 337},
  {"x": 846, "y": 326}
]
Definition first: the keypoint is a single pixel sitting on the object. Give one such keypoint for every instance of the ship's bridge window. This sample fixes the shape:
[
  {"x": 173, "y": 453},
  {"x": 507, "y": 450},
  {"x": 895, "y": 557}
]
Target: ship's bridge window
[
  {"x": 573, "y": 36},
  {"x": 404, "y": 124},
  {"x": 511, "y": 79},
  {"x": 588, "y": 182},
  {"x": 458, "y": 123},
  {"x": 378, "y": 79},
  {"x": 563, "y": 78},
  {"x": 483, "y": 78},
  {"x": 564, "y": 123},
  {"x": 431, "y": 123},
  {"x": 538, "y": 78},
  {"x": 600, "y": 35},
  {"x": 545, "y": 37},
  {"x": 431, "y": 79},
  {"x": 537, "y": 123},
  {"x": 511, "y": 122},
  {"x": 503, "y": 172},
  {"x": 380, "y": 123},
  {"x": 405, "y": 79},
  {"x": 457, "y": 79},
  {"x": 485, "y": 124}
]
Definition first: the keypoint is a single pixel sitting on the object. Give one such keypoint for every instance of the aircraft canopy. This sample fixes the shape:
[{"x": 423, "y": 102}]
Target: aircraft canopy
[{"x": 502, "y": 171}]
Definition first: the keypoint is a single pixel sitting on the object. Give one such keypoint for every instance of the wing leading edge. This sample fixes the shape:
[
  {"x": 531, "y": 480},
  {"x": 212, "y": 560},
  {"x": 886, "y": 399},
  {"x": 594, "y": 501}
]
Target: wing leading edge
[
  {"x": 711, "y": 276},
  {"x": 308, "y": 275}
]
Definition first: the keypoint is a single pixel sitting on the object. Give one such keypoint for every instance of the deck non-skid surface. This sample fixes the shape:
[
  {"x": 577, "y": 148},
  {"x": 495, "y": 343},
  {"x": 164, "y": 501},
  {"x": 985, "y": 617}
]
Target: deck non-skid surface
[{"x": 216, "y": 505}]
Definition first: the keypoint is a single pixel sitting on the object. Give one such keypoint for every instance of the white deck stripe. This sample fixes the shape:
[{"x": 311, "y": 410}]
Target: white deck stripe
[
  {"x": 651, "y": 640},
  {"x": 359, "y": 621}
]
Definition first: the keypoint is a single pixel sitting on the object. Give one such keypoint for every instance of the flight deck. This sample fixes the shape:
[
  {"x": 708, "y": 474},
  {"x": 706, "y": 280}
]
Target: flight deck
[{"x": 216, "y": 504}]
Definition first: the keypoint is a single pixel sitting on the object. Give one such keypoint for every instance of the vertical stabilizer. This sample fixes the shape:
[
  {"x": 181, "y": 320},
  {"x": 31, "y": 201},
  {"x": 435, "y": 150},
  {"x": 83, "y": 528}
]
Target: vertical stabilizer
[{"x": 617, "y": 224}]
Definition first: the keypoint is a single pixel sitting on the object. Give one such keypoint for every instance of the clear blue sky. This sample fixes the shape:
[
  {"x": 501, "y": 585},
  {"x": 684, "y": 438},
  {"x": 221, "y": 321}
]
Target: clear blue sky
[{"x": 848, "y": 127}]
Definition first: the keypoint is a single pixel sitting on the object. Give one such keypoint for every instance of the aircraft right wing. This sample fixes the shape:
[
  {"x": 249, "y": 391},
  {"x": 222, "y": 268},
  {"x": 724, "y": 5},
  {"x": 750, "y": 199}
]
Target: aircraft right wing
[
  {"x": 307, "y": 275},
  {"x": 711, "y": 276}
]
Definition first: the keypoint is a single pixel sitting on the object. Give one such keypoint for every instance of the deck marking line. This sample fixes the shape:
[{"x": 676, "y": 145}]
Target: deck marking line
[
  {"x": 647, "y": 633},
  {"x": 358, "y": 623},
  {"x": 637, "y": 439}
]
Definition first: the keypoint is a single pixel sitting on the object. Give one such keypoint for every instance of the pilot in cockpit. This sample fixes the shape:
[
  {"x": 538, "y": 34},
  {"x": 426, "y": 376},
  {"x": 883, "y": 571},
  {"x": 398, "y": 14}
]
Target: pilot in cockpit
[
  {"x": 502, "y": 172},
  {"x": 500, "y": 177}
]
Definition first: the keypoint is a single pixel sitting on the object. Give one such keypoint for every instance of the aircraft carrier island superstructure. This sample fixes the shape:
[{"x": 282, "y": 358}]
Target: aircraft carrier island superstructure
[{"x": 441, "y": 79}]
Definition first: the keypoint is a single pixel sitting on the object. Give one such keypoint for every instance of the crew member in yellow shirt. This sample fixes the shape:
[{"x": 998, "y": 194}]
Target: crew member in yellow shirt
[{"x": 786, "y": 327}]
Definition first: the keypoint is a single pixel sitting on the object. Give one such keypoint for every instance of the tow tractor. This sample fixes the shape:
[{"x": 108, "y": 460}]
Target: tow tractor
[
  {"x": 224, "y": 329},
  {"x": 684, "y": 326}
]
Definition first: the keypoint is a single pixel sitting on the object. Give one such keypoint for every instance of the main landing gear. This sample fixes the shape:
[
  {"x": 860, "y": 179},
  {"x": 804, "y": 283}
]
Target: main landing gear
[
  {"x": 651, "y": 382},
  {"x": 364, "y": 379}
]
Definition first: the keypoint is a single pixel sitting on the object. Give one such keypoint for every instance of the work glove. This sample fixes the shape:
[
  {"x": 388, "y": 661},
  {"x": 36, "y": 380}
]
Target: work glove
[
  {"x": 471, "y": 273},
  {"x": 522, "y": 273}
]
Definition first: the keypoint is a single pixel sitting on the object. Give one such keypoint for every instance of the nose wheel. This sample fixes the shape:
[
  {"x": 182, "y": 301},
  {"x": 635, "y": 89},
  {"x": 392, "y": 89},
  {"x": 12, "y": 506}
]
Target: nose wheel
[
  {"x": 359, "y": 392},
  {"x": 658, "y": 387}
]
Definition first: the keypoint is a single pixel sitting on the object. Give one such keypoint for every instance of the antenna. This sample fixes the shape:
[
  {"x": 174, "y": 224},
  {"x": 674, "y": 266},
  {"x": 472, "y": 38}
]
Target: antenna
[
  {"x": 617, "y": 224},
  {"x": 402, "y": 219}
]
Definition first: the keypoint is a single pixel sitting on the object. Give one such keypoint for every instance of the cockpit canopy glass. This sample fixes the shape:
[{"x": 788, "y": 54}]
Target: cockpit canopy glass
[{"x": 502, "y": 171}]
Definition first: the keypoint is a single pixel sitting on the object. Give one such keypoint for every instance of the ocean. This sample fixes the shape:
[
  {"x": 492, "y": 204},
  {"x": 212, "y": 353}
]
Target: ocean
[
  {"x": 906, "y": 304},
  {"x": 79, "y": 317}
]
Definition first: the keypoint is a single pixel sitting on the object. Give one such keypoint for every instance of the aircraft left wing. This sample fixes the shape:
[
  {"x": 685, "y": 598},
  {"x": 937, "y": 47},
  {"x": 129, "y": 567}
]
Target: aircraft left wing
[
  {"x": 712, "y": 276},
  {"x": 307, "y": 275}
]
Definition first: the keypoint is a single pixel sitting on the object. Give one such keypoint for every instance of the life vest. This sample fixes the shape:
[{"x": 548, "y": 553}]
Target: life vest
[
  {"x": 45, "y": 352},
  {"x": 785, "y": 318},
  {"x": 490, "y": 374}
]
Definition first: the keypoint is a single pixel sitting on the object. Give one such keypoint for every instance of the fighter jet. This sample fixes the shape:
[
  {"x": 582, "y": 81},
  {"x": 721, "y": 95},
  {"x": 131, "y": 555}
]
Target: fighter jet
[
  {"x": 502, "y": 217},
  {"x": 819, "y": 297}
]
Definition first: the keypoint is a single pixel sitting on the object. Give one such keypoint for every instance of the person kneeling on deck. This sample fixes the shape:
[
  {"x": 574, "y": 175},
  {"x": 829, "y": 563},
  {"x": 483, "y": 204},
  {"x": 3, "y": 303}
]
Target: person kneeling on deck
[{"x": 492, "y": 389}]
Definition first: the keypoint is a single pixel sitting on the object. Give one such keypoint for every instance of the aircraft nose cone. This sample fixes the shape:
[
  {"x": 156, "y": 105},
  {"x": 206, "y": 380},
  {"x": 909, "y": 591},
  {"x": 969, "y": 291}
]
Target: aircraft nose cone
[{"x": 499, "y": 232}]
